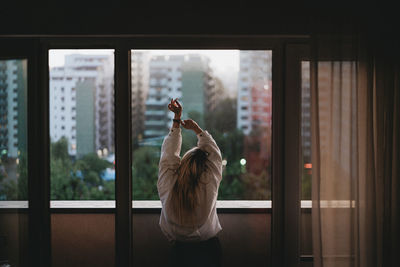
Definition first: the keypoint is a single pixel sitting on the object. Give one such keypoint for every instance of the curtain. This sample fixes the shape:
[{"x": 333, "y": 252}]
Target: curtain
[{"x": 355, "y": 108}]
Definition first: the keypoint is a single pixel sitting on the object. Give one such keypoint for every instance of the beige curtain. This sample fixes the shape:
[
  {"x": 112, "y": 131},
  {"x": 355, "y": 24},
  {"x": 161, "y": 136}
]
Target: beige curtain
[{"x": 355, "y": 153}]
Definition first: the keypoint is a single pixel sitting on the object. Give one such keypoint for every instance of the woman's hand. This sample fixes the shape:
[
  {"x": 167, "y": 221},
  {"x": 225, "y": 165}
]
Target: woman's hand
[
  {"x": 176, "y": 108},
  {"x": 191, "y": 125}
]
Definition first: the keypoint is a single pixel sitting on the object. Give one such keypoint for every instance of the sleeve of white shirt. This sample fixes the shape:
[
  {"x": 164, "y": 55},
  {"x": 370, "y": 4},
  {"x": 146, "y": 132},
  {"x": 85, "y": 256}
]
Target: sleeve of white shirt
[
  {"x": 208, "y": 144},
  {"x": 170, "y": 151}
]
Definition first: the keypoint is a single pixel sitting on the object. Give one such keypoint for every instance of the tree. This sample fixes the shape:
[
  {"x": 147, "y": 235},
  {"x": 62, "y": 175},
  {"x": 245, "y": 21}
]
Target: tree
[
  {"x": 78, "y": 180},
  {"x": 223, "y": 118},
  {"x": 15, "y": 188},
  {"x": 145, "y": 173}
]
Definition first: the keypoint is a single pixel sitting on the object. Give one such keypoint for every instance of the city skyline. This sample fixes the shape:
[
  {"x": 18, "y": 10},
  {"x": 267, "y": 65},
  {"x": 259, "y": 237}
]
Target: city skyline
[{"x": 224, "y": 63}]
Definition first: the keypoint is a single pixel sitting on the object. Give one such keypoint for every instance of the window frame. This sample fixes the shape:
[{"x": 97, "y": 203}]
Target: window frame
[
  {"x": 38, "y": 119},
  {"x": 169, "y": 42}
]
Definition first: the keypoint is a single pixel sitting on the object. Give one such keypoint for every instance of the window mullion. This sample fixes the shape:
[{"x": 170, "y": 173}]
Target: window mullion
[
  {"x": 123, "y": 184},
  {"x": 39, "y": 157}
]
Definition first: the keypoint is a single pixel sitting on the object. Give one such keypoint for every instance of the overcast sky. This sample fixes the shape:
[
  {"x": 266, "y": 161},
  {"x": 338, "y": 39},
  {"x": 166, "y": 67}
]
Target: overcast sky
[{"x": 220, "y": 60}]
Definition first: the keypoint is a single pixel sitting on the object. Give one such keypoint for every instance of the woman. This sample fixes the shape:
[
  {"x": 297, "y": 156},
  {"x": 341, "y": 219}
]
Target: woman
[{"x": 188, "y": 189}]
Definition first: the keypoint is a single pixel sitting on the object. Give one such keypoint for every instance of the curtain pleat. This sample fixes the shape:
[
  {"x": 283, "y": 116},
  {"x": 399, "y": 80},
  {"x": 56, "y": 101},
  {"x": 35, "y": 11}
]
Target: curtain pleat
[{"x": 355, "y": 153}]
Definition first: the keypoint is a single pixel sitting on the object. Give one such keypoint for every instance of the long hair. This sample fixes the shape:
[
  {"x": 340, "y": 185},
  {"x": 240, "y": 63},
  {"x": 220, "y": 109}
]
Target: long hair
[{"x": 185, "y": 191}]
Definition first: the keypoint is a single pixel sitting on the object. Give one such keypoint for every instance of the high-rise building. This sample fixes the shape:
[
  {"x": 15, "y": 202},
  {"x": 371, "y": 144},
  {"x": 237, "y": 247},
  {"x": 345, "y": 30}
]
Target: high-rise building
[
  {"x": 254, "y": 109},
  {"x": 13, "y": 107},
  {"x": 140, "y": 85},
  {"x": 92, "y": 73},
  {"x": 197, "y": 86},
  {"x": 254, "y": 91},
  {"x": 165, "y": 83},
  {"x": 85, "y": 118},
  {"x": 187, "y": 77}
]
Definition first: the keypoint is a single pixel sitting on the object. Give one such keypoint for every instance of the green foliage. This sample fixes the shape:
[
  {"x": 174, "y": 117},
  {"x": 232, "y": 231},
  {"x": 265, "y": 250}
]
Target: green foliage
[
  {"x": 145, "y": 173},
  {"x": 223, "y": 118},
  {"x": 59, "y": 149},
  {"x": 78, "y": 180},
  {"x": 92, "y": 163},
  {"x": 189, "y": 140},
  {"x": 14, "y": 187},
  {"x": 230, "y": 190}
]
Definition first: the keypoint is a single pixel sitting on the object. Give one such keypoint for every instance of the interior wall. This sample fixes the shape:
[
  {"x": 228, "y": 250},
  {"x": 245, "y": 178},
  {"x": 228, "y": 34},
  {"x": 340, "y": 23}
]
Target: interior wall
[
  {"x": 89, "y": 240},
  {"x": 83, "y": 240},
  {"x": 14, "y": 238}
]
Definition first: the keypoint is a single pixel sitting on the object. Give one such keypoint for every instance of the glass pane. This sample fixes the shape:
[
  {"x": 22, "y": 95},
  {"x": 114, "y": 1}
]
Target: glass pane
[
  {"x": 13, "y": 163},
  {"x": 228, "y": 92},
  {"x": 82, "y": 124},
  {"x": 13, "y": 130},
  {"x": 305, "y": 219},
  {"x": 306, "y": 130},
  {"x": 82, "y": 156}
]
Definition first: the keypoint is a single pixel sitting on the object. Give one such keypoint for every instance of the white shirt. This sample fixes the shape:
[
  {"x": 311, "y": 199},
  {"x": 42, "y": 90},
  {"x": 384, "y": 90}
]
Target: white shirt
[{"x": 207, "y": 223}]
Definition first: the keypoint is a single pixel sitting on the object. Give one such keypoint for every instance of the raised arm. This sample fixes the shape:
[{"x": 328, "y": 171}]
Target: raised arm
[
  {"x": 170, "y": 150},
  {"x": 171, "y": 147}
]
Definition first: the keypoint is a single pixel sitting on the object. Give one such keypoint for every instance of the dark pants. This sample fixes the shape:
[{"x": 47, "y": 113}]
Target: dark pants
[{"x": 204, "y": 253}]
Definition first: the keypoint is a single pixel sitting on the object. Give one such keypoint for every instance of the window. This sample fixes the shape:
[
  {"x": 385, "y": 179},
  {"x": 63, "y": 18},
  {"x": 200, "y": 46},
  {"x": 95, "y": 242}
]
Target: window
[
  {"x": 246, "y": 151},
  {"x": 78, "y": 171},
  {"x": 13, "y": 133}
]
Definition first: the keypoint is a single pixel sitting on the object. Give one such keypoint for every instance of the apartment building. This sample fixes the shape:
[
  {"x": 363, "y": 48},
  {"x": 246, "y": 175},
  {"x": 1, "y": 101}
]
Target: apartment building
[
  {"x": 140, "y": 87},
  {"x": 187, "y": 77},
  {"x": 82, "y": 103},
  {"x": 254, "y": 90},
  {"x": 13, "y": 93}
]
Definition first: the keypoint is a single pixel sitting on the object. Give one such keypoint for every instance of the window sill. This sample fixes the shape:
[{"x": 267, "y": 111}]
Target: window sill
[{"x": 156, "y": 204}]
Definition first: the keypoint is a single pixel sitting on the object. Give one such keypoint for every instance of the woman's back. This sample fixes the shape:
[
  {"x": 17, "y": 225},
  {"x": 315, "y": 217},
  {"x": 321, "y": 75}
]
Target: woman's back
[{"x": 200, "y": 223}]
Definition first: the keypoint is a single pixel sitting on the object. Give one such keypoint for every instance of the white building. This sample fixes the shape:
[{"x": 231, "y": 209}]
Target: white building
[
  {"x": 254, "y": 90},
  {"x": 80, "y": 70}
]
